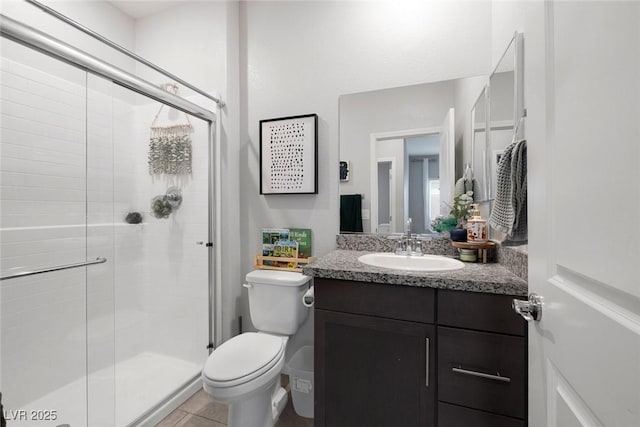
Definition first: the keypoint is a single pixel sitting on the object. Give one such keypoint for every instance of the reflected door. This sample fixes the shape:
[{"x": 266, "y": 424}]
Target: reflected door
[
  {"x": 447, "y": 159},
  {"x": 385, "y": 186}
]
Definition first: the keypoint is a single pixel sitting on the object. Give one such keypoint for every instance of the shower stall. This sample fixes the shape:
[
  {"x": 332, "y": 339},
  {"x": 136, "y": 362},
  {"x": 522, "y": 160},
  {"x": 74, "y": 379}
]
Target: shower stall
[{"x": 106, "y": 311}]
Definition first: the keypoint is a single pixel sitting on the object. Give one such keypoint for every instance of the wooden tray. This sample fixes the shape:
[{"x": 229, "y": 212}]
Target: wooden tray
[
  {"x": 297, "y": 262},
  {"x": 481, "y": 247}
]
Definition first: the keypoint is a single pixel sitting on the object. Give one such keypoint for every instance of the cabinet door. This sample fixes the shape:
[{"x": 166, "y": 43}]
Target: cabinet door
[{"x": 371, "y": 371}]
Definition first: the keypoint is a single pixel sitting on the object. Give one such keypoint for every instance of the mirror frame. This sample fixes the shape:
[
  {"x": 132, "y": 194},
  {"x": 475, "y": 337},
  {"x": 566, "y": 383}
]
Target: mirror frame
[{"x": 519, "y": 112}]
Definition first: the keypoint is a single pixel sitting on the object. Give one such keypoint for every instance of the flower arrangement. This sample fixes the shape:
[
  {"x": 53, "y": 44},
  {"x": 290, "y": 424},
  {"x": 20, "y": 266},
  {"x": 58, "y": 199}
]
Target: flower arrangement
[
  {"x": 461, "y": 207},
  {"x": 458, "y": 212}
]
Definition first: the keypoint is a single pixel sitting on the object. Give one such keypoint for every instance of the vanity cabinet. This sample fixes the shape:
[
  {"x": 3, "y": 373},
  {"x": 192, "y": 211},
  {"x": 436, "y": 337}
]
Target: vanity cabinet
[
  {"x": 374, "y": 355},
  {"x": 388, "y": 355}
]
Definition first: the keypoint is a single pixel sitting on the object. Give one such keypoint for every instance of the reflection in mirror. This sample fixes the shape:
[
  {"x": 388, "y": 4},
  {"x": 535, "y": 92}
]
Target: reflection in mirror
[
  {"x": 399, "y": 143},
  {"x": 505, "y": 106},
  {"x": 479, "y": 146}
]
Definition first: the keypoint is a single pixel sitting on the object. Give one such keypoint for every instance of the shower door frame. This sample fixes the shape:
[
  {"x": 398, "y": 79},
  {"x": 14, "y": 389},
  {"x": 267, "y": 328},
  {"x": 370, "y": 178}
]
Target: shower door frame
[{"x": 44, "y": 43}]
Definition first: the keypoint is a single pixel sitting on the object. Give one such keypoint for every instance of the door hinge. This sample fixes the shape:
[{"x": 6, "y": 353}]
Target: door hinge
[
  {"x": 210, "y": 346},
  {"x": 209, "y": 244}
]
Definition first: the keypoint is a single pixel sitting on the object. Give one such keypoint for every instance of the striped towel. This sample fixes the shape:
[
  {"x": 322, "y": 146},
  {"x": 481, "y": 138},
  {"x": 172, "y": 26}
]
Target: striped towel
[{"x": 509, "y": 212}]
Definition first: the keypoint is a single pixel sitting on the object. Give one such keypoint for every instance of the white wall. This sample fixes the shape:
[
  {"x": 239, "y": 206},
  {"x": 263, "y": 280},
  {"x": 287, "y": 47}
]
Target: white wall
[
  {"x": 99, "y": 16},
  {"x": 188, "y": 40},
  {"x": 301, "y": 56},
  {"x": 415, "y": 43}
]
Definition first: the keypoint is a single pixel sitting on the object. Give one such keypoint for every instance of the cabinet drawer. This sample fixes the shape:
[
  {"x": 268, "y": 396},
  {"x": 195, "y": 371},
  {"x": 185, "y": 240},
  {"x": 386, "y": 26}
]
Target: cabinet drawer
[
  {"x": 485, "y": 312},
  {"x": 458, "y": 416},
  {"x": 374, "y": 299},
  {"x": 482, "y": 370}
]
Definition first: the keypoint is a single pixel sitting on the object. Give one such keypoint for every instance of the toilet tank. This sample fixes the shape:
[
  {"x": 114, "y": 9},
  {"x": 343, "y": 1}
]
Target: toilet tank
[{"x": 275, "y": 300}]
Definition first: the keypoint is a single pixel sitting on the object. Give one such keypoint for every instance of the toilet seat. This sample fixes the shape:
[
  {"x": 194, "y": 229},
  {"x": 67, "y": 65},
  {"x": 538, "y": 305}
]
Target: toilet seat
[{"x": 242, "y": 359}]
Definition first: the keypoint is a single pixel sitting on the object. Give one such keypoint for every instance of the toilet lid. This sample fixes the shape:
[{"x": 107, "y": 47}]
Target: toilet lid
[{"x": 246, "y": 355}]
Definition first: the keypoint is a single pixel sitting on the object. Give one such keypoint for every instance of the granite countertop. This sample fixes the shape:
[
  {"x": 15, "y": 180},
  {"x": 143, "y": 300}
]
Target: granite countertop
[{"x": 474, "y": 277}]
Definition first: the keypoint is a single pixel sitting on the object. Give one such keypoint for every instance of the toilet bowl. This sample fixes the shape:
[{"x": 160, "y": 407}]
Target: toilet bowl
[{"x": 244, "y": 372}]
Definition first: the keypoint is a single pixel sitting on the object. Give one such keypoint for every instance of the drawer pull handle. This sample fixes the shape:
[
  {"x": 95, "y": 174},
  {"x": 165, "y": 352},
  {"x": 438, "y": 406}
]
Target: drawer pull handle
[
  {"x": 482, "y": 375},
  {"x": 426, "y": 362}
]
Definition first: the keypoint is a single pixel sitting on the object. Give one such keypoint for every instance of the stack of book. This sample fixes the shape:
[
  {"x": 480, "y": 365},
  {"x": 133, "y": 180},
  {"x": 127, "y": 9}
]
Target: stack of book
[{"x": 286, "y": 243}]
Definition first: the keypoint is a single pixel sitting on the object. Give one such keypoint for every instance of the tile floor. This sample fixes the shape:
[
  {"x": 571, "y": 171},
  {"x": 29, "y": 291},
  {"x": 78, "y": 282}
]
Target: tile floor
[{"x": 200, "y": 411}]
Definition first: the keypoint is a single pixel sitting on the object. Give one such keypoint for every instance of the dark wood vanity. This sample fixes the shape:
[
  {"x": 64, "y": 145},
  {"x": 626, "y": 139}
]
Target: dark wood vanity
[{"x": 393, "y": 355}]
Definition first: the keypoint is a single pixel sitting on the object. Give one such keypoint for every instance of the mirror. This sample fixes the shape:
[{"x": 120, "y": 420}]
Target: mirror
[
  {"x": 506, "y": 107},
  {"x": 479, "y": 146},
  {"x": 399, "y": 145}
]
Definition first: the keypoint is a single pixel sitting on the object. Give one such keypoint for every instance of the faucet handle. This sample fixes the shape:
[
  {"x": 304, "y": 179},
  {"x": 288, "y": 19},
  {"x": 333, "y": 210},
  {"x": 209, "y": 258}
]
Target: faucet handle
[{"x": 416, "y": 245}]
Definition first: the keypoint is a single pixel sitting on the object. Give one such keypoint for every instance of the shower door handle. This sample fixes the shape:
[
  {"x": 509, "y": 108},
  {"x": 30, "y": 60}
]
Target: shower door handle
[{"x": 56, "y": 268}]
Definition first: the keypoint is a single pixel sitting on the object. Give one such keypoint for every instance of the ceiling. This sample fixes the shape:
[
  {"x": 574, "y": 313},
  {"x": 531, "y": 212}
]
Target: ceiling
[{"x": 142, "y": 8}]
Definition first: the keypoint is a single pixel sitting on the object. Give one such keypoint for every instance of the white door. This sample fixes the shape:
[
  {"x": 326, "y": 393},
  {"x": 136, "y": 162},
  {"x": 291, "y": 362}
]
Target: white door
[
  {"x": 447, "y": 159},
  {"x": 584, "y": 353},
  {"x": 386, "y": 194}
]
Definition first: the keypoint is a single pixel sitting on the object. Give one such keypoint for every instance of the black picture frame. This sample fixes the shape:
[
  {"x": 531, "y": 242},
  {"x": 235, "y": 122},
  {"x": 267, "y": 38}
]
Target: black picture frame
[
  {"x": 344, "y": 170},
  {"x": 289, "y": 155}
]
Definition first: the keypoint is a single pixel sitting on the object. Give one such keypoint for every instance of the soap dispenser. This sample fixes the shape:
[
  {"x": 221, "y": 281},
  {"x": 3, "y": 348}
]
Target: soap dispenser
[{"x": 476, "y": 226}]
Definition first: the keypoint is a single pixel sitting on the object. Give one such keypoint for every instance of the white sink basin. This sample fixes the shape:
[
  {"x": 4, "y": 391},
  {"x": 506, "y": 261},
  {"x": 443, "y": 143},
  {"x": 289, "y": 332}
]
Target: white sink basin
[{"x": 411, "y": 263}]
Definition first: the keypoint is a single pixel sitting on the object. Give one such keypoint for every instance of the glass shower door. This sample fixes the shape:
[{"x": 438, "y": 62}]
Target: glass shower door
[
  {"x": 106, "y": 344},
  {"x": 43, "y": 191},
  {"x": 160, "y": 272}
]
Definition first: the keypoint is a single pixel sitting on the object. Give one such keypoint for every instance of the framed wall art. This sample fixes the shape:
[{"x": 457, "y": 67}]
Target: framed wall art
[
  {"x": 344, "y": 170},
  {"x": 289, "y": 155}
]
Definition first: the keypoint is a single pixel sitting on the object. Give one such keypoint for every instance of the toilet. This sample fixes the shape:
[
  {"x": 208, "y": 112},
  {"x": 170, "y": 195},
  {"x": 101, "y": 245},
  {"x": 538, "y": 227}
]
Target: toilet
[{"x": 244, "y": 372}]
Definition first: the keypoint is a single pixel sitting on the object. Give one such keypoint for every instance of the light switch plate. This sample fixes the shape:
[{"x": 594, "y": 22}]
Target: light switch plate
[{"x": 365, "y": 213}]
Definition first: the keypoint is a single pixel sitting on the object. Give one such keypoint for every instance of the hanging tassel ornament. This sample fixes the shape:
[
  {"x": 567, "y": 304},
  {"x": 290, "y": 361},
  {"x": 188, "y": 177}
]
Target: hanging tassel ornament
[{"x": 170, "y": 149}]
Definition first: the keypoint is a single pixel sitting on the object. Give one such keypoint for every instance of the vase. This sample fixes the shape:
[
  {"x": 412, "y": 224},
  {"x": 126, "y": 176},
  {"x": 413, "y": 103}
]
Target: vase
[{"x": 458, "y": 235}]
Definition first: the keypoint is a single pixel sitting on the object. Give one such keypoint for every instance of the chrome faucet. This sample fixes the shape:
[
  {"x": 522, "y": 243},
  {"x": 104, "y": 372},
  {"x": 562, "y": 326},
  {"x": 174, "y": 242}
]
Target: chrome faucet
[
  {"x": 405, "y": 243},
  {"x": 407, "y": 229}
]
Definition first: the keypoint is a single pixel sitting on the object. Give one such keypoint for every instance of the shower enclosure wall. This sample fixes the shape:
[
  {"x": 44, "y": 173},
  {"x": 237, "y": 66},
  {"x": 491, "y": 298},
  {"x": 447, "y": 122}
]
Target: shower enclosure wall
[{"x": 104, "y": 344}]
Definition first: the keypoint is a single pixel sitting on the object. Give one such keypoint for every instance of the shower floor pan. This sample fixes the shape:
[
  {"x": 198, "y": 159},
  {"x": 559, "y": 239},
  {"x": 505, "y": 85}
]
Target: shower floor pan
[{"x": 141, "y": 383}]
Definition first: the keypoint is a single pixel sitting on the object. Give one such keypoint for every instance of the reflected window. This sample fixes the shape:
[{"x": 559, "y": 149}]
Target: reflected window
[{"x": 434, "y": 198}]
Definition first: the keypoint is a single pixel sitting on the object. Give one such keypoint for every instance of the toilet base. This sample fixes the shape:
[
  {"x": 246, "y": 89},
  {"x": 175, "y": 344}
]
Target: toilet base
[{"x": 259, "y": 410}]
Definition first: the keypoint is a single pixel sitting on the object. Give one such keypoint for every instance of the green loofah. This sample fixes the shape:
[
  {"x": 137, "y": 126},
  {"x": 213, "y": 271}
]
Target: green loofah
[{"x": 161, "y": 207}]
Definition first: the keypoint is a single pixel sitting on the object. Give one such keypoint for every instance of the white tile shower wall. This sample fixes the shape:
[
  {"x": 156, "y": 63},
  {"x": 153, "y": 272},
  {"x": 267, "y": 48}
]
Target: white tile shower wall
[
  {"x": 204, "y": 40},
  {"x": 173, "y": 292},
  {"x": 42, "y": 223},
  {"x": 100, "y": 243},
  {"x": 130, "y": 254}
]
